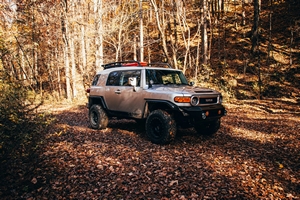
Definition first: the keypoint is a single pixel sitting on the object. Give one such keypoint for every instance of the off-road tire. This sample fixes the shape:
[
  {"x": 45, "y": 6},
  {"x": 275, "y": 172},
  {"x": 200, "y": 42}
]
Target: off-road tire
[
  {"x": 98, "y": 117},
  {"x": 208, "y": 128},
  {"x": 160, "y": 127}
]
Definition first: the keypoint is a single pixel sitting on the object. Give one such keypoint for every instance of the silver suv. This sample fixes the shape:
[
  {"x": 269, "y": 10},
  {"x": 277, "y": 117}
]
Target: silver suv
[{"x": 154, "y": 94}]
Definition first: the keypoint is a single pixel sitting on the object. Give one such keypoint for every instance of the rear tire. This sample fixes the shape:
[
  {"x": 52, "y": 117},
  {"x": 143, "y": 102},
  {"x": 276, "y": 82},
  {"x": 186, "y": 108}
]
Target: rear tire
[
  {"x": 98, "y": 117},
  {"x": 208, "y": 128},
  {"x": 160, "y": 127}
]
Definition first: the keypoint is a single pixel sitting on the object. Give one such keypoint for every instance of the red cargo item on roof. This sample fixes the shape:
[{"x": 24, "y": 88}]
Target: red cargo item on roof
[{"x": 135, "y": 64}]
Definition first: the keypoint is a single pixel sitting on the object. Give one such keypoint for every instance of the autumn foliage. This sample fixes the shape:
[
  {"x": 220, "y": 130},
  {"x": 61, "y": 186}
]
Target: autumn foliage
[{"x": 20, "y": 122}]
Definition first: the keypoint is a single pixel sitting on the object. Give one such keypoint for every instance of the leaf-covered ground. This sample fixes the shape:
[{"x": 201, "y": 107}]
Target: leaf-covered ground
[{"x": 255, "y": 155}]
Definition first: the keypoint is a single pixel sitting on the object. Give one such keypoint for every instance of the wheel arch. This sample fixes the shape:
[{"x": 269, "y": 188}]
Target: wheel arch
[
  {"x": 152, "y": 105},
  {"x": 97, "y": 100}
]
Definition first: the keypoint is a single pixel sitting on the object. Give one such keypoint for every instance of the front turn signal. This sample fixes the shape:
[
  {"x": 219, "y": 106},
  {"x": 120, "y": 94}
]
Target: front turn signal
[{"x": 182, "y": 99}]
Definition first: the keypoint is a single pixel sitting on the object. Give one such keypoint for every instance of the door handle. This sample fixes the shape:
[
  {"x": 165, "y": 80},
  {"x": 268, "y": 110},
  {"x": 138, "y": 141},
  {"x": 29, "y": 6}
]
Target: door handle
[{"x": 118, "y": 92}]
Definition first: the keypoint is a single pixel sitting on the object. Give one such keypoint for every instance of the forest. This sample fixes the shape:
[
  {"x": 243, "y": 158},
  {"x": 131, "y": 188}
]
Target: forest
[
  {"x": 248, "y": 49},
  {"x": 51, "y": 49}
]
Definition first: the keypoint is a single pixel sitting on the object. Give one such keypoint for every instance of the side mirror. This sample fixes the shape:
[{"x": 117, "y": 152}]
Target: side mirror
[
  {"x": 133, "y": 82},
  {"x": 150, "y": 83}
]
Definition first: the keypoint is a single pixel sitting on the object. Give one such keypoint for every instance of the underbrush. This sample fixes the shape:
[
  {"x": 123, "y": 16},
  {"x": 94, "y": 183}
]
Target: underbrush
[{"x": 21, "y": 125}]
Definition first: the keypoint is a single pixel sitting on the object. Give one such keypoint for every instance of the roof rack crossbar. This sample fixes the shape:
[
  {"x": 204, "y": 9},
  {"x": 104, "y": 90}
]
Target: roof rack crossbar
[
  {"x": 134, "y": 63},
  {"x": 119, "y": 64}
]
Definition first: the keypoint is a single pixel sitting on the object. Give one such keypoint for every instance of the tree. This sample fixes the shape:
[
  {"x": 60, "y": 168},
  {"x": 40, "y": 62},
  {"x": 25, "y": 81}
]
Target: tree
[
  {"x": 98, "y": 10},
  {"x": 161, "y": 25},
  {"x": 255, "y": 42},
  {"x": 55, "y": 47},
  {"x": 255, "y": 27},
  {"x": 204, "y": 49}
]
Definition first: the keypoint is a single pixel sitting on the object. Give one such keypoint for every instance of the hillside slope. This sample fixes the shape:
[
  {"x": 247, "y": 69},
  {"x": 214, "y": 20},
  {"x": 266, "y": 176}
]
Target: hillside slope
[{"x": 278, "y": 63}]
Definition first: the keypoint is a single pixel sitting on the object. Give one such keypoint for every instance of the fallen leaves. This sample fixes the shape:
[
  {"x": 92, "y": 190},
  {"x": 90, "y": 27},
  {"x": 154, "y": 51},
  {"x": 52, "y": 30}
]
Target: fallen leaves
[{"x": 255, "y": 155}]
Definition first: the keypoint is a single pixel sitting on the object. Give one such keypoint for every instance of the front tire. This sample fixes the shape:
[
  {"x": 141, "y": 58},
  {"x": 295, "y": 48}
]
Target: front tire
[
  {"x": 98, "y": 117},
  {"x": 160, "y": 127},
  {"x": 208, "y": 128}
]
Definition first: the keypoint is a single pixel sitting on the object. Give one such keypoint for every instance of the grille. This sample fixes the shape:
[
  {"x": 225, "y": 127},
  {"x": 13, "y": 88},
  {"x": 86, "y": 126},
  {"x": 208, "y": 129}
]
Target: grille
[{"x": 208, "y": 100}]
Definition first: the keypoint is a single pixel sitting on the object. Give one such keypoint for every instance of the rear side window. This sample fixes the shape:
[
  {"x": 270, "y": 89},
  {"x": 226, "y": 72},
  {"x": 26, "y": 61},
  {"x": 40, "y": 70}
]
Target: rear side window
[
  {"x": 113, "y": 79},
  {"x": 96, "y": 79},
  {"x": 131, "y": 73},
  {"x": 120, "y": 78}
]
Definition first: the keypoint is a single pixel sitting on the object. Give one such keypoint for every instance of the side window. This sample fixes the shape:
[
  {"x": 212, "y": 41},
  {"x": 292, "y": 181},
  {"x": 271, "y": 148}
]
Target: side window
[
  {"x": 154, "y": 75},
  {"x": 96, "y": 79},
  {"x": 113, "y": 79},
  {"x": 131, "y": 73}
]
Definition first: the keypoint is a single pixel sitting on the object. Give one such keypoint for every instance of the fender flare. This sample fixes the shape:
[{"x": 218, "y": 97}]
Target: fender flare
[
  {"x": 153, "y": 104},
  {"x": 97, "y": 100}
]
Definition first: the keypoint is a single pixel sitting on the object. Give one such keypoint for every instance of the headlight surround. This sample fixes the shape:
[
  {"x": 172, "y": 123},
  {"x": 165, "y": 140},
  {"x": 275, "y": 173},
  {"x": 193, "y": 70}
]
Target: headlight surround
[
  {"x": 194, "y": 101},
  {"x": 220, "y": 99}
]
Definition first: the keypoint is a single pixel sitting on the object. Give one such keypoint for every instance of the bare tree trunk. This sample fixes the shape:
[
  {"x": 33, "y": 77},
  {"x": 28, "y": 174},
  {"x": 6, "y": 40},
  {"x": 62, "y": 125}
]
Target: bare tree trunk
[
  {"x": 222, "y": 2},
  {"x": 213, "y": 8},
  {"x": 99, "y": 34},
  {"x": 243, "y": 13},
  {"x": 58, "y": 74},
  {"x": 174, "y": 39},
  {"x": 73, "y": 68},
  {"x": 34, "y": 48},
  {"x": 235, "y": 14},
  {"x": 270, "y": 35},
  {"x": 66, "y": 49},
  {"x": 224, "y": 41},
  {"x": 83, "y": 50},
  {"x": 198, "y": 54},
  {"x": 161, "y": 28},
  {"x": 219, "y": 39},
  {"x": 255, "y": 27},
  {"x": 134, "y": 47},
  {"x": 292, "y": 37},
  {"x": 204, "y": 49},
  {"x": 50, "y": 70},
  {"x": 149, "y": 48},
  {"x": 141, "y": 32},
  {"x": 211, "y": 28},
  {"x": 67, "y": 70},
  {"x": 255, "y": 42},
  {"x": 119, "y": 45}
]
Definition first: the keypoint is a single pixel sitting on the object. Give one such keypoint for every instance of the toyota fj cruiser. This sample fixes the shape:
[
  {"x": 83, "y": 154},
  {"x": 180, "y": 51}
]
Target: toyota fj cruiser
[{"x": 155, "y": 94}]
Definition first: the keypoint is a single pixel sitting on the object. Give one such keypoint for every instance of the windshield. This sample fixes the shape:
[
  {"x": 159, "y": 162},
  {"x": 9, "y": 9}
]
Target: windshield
[{"x": 165, "y": 77}]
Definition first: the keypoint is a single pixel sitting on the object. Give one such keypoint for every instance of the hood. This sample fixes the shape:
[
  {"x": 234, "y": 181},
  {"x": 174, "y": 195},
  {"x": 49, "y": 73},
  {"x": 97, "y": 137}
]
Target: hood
[{"x": 186, "y": 89}]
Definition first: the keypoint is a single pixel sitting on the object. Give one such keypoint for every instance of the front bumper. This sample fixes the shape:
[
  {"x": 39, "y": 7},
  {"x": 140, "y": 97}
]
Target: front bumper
[{"x": 204, "y": 112}]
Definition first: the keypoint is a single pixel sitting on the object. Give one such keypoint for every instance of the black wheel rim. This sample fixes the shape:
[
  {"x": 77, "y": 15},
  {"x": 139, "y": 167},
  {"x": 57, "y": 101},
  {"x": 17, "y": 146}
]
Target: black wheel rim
[
  {"x": 94, "y": 118},
  {"x": 156, "y": 127}
]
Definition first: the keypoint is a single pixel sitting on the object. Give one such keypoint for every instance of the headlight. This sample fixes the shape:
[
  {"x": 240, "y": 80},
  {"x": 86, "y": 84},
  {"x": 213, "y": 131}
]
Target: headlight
[
  {"x": 194, "y": 101},
  {"x": 220, "y": 99}
]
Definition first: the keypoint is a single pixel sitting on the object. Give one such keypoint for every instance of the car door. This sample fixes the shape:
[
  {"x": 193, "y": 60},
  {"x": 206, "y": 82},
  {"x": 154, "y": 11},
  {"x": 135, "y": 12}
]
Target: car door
[{"x": 121, "y": 97}]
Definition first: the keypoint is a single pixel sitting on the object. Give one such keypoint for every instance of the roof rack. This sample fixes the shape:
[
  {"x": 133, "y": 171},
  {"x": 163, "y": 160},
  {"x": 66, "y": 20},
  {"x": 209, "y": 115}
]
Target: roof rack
[
  {"x": 124, "y": 64},
  {"x": 132, "y": 63}
]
